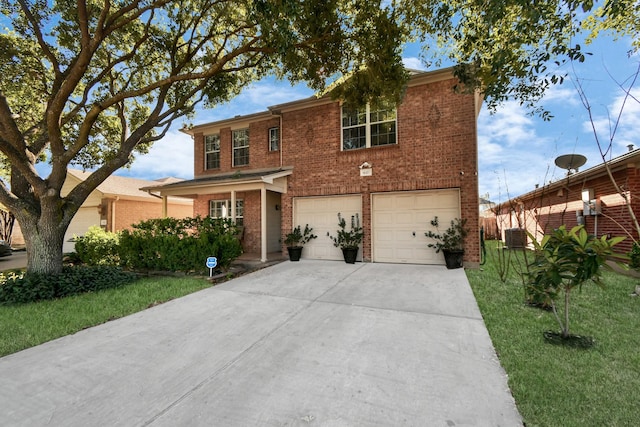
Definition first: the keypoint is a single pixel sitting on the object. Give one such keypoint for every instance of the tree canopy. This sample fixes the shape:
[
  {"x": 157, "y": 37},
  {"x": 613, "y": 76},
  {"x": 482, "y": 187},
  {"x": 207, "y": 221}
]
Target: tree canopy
[
  {"x": 93, "y": 82},
  {"x": 515, "y": 49}
]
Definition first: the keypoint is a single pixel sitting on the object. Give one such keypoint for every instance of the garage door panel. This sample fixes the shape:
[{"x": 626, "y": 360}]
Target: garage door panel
[
  {"x": 82, "y": 220},
  {"x": 386, "y": 205},
  {"x": 404, "y": 202},
  {"x": 385, "y": 219},
  {"x": 321, "y": 213},
  {"x": 399, "y": 221},
  {"x": 386, "y": 235},
  {"x": 424, "y": 217}
]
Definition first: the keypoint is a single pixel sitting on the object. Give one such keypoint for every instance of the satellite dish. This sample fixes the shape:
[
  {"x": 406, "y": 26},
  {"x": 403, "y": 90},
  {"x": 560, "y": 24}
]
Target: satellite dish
[{"x": 570, "y": 161}]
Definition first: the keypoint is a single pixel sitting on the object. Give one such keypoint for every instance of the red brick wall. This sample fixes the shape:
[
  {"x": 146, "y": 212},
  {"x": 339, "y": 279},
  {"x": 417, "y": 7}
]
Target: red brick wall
[
  {"x": 615, "y": 219},
  {"x": 129, "y": 212},
  {"x": 436, "y": 149},
  {"x": 259, "y": 154}
]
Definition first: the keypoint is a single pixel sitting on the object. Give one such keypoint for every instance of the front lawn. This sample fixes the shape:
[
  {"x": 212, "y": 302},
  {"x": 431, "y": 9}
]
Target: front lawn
[
  {"x": 555, "y": 385},
  {"x": 27, "y": 325}
]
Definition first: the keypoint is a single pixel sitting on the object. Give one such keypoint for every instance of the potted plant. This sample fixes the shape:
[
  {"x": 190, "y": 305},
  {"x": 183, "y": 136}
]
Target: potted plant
[
  {"x": 348, "y": 240},
  {"x": 296, "y": 240},
  {"x": 451, "y": 242}
]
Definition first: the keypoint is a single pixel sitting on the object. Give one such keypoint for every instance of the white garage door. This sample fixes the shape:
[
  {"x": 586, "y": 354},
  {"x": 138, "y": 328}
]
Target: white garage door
[
  {"x": 83, "y": 219},
  {"x": 321, "y": 213},
  {"x": 399, "y": 221}
]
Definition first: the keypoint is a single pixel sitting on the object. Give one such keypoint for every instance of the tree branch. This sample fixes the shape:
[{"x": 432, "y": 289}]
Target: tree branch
[{"x": 35, "y": 26}]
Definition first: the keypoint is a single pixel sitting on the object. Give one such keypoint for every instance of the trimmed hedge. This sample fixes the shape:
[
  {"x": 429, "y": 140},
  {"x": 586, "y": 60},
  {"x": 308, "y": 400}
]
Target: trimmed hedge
[
  {"x": 170, "y": 244},
  {"x": 18, "y": 289}
]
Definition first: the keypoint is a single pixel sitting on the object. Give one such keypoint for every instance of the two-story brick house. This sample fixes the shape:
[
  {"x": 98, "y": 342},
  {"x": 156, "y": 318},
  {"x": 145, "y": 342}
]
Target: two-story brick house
[{"x": 305, "y": 161}]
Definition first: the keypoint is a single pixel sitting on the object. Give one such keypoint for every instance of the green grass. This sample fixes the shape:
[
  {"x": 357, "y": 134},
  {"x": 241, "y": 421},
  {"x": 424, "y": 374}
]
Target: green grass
[
  {"x": 27, "y": 325},
  {"x": 556, "y": 385}
]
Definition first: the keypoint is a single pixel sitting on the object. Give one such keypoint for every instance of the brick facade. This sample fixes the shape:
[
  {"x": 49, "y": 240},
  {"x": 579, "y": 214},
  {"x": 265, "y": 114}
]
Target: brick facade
[
  {"x": 561, "y": 203},
  {"x": 128, "y": 212},
  {"x": 436, "y": 149}
]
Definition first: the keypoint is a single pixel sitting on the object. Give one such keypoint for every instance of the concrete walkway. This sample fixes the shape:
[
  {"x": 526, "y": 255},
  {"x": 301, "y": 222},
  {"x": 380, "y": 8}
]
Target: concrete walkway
[{"x": 312, "y": 343}]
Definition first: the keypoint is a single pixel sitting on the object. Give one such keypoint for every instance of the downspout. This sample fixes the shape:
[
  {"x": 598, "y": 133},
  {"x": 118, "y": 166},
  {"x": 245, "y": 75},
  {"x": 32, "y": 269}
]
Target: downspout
[
  {"x": 165, "y": 209},
  {"x": 280, "y": 142},
  {"x": 113, "y": 214}
]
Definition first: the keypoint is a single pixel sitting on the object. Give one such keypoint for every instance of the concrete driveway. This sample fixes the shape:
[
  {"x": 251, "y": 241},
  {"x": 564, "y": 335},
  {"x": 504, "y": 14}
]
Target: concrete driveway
[
  {"x": 312, "y": 343},
  {"x": 18, "y": 259}
]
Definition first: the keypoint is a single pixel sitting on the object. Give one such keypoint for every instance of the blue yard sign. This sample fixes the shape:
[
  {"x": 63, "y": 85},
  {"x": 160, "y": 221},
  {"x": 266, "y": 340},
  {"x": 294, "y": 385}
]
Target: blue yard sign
[{"x": 212, "y": 262}]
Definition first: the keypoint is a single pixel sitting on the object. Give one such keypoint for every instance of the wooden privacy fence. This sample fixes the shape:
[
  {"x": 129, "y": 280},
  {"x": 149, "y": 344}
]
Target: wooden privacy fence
[{"x": 491, "y": 231}]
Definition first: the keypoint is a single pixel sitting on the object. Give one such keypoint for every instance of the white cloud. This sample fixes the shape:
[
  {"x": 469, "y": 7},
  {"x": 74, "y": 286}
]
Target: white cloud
[
  {"x": 565, "y": 95},
  {"x": 257, "y": 97},
  {"x": 413, "y": 63},
  {"x": 267, "y": 93},
  {"x": 512, "y": 156},
  {"x": 171, "y": 156},
  {"x": 618, "y": 122}
]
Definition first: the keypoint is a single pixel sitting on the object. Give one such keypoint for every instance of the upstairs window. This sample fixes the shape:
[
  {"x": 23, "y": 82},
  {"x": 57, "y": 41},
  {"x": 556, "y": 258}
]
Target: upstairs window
[
  {"x": 274, "y": 139},
  {"x": 212, "y": 152},
  {"x": 372, "y": 125},
  {"x": 240, "y": 139}
]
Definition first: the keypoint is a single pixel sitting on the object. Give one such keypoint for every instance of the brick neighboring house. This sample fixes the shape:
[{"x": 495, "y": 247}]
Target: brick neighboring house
[
  {"x": 587, "y": 197},
  {"x": 303, "y": 162},
  {"x": 115, "y": 205}
]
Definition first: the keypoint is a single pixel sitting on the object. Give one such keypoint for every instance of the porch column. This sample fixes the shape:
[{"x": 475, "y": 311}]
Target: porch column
[
  {"x": 232, "y": 208},
  {"x": 263, "y": 224},
  {"x": 164, "y": 206}
]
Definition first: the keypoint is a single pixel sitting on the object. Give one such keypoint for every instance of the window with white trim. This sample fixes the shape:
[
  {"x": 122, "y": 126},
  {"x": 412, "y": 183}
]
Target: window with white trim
[
  {"x": 240, "y": 140},
  {"x": 368, "y": 126},
  {"x": 274, "y": 139},
  {"x": 212, "y": 152},
  {"x": 221, "y": 209}
]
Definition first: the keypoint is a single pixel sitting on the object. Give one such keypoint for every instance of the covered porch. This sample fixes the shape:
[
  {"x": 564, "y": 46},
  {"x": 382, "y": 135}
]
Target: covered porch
[{"x": 263, "y": 188}]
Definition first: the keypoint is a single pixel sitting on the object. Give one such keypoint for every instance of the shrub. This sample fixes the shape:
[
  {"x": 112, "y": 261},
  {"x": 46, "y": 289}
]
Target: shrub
[
  {"x": 634, "y": 256},
  {"x": 346, "y": 239},
  {"x": 21, "y": 288},
  {"x": 170, "y": 244},
  {"x": 452, "y": 239},
  {"x": 98, "y": 247},
  {"x": 567, "y": 259},
  {"x": 298, "y": 238}
]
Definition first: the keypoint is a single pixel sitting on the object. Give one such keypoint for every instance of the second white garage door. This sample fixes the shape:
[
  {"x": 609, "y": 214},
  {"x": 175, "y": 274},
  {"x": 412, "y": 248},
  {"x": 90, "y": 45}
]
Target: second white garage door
[
  {"x": 321, "y": 213},
  {"x": 399, "y": 221}
]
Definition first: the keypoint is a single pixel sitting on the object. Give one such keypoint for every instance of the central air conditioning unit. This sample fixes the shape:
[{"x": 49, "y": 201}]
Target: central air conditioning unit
[{"x": 515, "y": 238}]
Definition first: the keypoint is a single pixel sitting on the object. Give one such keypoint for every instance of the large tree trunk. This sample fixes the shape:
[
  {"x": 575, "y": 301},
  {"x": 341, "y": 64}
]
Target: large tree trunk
[{"x": 43, "y": 237}]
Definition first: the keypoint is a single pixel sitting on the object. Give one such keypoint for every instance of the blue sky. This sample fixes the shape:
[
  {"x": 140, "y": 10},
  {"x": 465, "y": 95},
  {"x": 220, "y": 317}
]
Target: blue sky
[{"x": 516, "y": 150}]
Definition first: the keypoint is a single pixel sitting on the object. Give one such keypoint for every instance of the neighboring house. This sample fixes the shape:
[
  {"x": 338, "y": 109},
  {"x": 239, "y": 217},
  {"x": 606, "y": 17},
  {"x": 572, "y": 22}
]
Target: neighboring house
[
  {"x": 486, "y": 206},
  {"x": 587, "y": 197},
  {"x": 117, "y": 203},
  {"x": 305, "y": 161}
]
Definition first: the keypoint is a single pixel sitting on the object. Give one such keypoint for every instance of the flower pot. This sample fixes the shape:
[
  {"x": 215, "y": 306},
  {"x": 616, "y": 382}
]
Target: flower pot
[
  {"x": 350, "y": 255},
  {"x": 453, "y": 258},
  {"x": 295, "y": 252}
]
